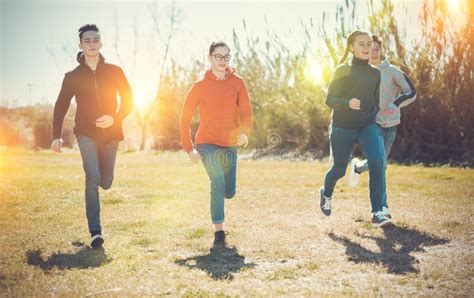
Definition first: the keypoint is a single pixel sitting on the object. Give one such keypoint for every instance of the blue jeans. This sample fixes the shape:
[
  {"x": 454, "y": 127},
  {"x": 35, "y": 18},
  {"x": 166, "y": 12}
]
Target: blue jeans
[
  {"x": 98, "y": 161},
  {"x": 371, "y": 143},
  {"x": 221, "y": 166},
  {"x": 389, "y": 134}
]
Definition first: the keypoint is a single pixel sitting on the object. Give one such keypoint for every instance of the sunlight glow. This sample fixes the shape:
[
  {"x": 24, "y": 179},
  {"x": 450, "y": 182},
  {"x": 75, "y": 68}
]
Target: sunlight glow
[
  {"x": 454, "y": 5},
  {"x": 142, "y": 99},
  {"x": 314, "y": 71}
]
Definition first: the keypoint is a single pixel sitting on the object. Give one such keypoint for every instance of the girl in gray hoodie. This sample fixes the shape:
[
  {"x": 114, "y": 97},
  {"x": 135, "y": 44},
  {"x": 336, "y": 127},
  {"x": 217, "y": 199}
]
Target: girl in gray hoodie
[{"x": 396, "y": 91}]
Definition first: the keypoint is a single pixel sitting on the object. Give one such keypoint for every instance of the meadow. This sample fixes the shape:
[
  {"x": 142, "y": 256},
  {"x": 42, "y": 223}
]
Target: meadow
[{"x": 158, "y": 233}]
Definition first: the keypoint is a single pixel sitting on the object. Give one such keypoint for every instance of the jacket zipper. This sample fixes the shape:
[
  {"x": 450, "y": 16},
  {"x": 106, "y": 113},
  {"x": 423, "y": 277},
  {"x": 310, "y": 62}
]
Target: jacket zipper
[{"x": 98, "y": 99}]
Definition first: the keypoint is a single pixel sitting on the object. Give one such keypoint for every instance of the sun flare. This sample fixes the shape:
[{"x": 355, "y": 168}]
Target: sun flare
[{"x": 314, "y": 71}]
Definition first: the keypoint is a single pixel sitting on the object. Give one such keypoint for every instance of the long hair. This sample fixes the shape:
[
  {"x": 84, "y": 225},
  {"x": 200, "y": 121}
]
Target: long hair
[{"x": 350, "y": 41}]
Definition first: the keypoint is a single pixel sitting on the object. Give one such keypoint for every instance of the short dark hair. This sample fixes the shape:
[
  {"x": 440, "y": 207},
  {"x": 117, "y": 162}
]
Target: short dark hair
[
  {"x": 377, "y": 39},
  {"x": 217, "y": 44},
  {"x": 87, "y": 27}
]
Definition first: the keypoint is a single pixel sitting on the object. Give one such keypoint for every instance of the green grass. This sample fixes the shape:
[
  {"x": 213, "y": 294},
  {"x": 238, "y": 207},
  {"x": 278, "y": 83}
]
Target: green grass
[{"x": 158, "y": 232}]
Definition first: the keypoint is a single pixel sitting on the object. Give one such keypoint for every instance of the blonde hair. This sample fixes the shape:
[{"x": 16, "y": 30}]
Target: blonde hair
[{"x": 350, "y": 41}]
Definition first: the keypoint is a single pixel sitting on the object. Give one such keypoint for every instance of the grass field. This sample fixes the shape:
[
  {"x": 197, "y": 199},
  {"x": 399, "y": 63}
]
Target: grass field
[{"x": 158, "y": 234}]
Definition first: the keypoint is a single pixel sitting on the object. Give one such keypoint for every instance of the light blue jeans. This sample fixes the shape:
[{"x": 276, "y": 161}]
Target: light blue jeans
[
  {"x": 389, "y": 134},
  {"x": 221, "y": 167},
  {"x": 98, "y": 161},
  {"x": 371, "y": 143}
]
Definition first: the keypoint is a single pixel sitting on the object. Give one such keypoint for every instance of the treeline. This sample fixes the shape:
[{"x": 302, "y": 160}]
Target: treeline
[
  {"x": 288, "y": 103},
  {"x": 290, "y": 113}
]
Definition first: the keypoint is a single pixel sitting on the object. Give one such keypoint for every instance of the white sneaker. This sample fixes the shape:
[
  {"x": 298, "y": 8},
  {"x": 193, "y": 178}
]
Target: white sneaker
[
  {"x": 386, "y": 213},
  {"x": 354, "y": 177}
]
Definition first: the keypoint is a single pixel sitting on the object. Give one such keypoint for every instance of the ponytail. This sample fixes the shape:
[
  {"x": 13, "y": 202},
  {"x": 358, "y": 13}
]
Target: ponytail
[
  {"x": 346, "y": 53},
  {"x": 350, "y": 41}
]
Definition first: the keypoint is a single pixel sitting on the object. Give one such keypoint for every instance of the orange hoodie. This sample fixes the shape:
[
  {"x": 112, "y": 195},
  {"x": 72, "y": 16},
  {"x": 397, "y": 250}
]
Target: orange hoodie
[{"x": 224, "y": 109}]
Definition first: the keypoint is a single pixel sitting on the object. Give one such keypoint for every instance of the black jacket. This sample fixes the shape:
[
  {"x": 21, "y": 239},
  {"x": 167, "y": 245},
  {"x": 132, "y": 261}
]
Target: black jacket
[
  {"x": 355, "y": 79},
  {"x": 96, "y": 95}
]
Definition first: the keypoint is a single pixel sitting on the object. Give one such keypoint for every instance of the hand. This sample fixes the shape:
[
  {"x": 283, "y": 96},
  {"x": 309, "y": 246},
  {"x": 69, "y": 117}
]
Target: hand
[
  {"x": 243, "y": 140},
  {"x": 56, "y": 145},
  {"x": 104, "y": 121},
  {"x": 194, "y": 156},
  {"x": 387, "y": 111},
  {"x": 354, "y": 103}
]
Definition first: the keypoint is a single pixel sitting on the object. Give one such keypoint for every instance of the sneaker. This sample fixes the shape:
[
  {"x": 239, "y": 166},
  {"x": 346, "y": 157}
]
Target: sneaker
[
  {"x": 97, "y": 241},
  {"x": 379, "y": 219},
  {"x": 386, "y": 213},
  {"x": 325, "y": 202},
  {"x": 219, "y": 239},
  {"x": 354, "y": 176}
]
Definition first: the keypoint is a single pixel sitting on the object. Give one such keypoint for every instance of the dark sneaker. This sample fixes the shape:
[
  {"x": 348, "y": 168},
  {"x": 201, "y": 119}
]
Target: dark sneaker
[
  {"x": 219, "y": 239},
  {"x": 386, "y": 213},
  {"x": 97, "y": 241},
  {"x": 325, "y": 202},
  {"x": 379, "y": 220}
]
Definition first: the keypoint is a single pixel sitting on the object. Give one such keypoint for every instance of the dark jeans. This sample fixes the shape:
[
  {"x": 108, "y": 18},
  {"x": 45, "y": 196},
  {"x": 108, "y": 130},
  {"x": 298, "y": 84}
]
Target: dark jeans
[
  {"x": 371, "y": 143},
  {"x": 389, "y": 134},
  {"x": 98, "y": 161}
]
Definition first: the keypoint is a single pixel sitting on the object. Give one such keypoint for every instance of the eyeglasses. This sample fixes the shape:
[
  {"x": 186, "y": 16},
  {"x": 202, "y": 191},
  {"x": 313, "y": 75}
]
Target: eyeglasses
[{"x": 220, "y": 57}]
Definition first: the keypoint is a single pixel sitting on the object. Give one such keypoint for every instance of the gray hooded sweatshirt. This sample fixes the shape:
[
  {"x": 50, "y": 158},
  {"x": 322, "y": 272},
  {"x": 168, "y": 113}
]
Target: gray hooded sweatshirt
[{"x": 396, "y": 91}]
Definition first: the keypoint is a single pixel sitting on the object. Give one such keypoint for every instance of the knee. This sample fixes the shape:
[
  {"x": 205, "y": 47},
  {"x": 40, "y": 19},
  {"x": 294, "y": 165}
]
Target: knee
[
  {"x": 230, "y": 194},
  {"x": 377, "y": 164},
  {"x": 338, "y": 170},
  {"x": 217, "y": 184},
  {"x": 92, "y": 180},
  {"x": 106, "y": 184}
]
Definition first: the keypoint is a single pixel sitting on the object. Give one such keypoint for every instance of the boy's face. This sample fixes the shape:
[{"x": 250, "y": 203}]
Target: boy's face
[
  {"x": 376, "y": 51},
  {"x": 90, "y": 43}
]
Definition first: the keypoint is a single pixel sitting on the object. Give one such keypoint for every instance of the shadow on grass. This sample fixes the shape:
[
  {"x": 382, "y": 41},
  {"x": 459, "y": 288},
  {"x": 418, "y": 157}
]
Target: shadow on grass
[
  {"x": 84, "y": 258},
  {"x": 395, "y": 248},
  {"x": 220, "y": 263}
]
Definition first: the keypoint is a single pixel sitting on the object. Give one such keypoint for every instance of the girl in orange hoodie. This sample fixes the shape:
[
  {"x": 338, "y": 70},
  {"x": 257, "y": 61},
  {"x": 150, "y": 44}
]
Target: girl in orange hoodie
[{"x": 225, "y": 123}]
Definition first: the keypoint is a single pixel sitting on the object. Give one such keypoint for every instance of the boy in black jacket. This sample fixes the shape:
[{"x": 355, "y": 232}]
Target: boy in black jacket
[{"x": 98, "y": 122}]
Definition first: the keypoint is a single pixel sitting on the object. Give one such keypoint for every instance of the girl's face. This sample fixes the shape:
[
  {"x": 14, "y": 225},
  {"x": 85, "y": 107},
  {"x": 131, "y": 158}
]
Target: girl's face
[
  {"x": 219, "y": 58},
  {"x": 362, "y": 46},
  {"x": 376, "y": 52}
]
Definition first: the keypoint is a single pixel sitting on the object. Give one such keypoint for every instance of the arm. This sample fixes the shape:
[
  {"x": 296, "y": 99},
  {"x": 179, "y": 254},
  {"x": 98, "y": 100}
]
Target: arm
[
  {"x": 189, "y": 107},
  {"x": 408, "y": 91},
  {"x": 62, "y": 105},
  {"x": 126, "y": 96},
  {"x": 245, "y": 110},
  {"x": 377, "y": 92},
  {"x": 334, "y": 99}
]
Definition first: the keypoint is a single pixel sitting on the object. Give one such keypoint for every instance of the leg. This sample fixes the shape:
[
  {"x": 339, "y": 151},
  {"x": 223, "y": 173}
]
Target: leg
[
  {"x": 389, "y": 134},
  {"x": 230, "y": 171},
  {"x": 215, "y": 170},
  {"x": 342, "y": 140},
  {"x": 90, "y": 162},
  {"x": 107, "y": 156},
  {"x": 371, "y": 143}
]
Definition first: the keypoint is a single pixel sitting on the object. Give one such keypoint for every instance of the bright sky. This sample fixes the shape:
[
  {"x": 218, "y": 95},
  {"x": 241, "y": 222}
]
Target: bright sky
[{"x": 33, "y": 29}]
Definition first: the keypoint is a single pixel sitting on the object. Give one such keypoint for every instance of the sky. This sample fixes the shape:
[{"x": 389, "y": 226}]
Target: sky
[{"x": 39, "y": 37}]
